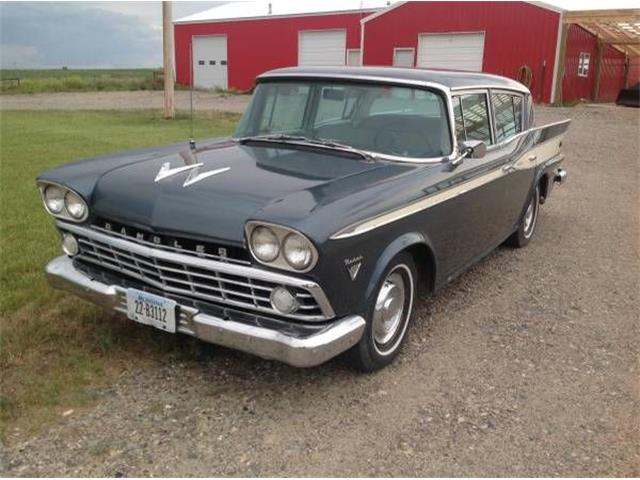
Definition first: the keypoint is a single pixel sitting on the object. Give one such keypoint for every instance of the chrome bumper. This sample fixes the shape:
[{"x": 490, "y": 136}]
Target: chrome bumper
[{"x": 267, "y": 343}]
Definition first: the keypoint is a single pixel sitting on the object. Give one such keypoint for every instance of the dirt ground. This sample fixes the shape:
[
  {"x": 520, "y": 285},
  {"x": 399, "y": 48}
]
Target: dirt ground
[
  {"x": 122, "y": 101},
  {"x": 528, "y": 365}
]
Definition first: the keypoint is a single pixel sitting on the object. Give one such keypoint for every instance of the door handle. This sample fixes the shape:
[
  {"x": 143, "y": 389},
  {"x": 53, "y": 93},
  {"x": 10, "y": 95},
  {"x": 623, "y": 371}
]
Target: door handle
[{"x": 533, "y": 158}]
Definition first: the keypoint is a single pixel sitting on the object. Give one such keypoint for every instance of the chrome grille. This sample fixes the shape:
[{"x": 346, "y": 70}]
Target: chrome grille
[{"x": 196, "y": 278}]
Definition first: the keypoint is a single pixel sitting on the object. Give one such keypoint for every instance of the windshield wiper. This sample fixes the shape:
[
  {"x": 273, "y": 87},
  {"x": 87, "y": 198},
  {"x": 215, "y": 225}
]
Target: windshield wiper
[{"x": 299, "y": 139}]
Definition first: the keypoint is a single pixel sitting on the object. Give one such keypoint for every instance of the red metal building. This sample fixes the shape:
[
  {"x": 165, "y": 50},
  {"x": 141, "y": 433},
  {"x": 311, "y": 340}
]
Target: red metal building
[{"x": 228, "y": 47}]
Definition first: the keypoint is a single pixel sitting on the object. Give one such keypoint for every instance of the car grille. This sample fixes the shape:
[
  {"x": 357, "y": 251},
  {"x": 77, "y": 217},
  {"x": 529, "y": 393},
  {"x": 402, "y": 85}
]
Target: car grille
[
  {"x": 205, "y": 282},
  {"x": 201, "y": 249}
]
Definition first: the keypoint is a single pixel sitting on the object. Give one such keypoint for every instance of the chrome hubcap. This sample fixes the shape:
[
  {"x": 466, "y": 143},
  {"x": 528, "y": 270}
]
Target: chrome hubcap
[{"x": 389, "y": 309}]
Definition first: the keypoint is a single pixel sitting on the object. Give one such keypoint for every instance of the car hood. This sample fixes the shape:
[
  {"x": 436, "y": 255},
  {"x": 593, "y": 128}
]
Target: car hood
[{"x": 277, "y": 184}]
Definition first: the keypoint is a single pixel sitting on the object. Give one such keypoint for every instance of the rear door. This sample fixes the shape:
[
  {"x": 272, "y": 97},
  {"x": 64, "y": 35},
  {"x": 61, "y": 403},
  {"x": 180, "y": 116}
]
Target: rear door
[{"x": 522, "y": 150}]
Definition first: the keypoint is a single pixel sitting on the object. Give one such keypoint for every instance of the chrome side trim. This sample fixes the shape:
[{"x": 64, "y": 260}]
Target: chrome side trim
[
  {"x": 544, "y": 152},
  {"x": 307, "y": 351},
  {"x": 523, "y": 90},
  {"x": 221, "y": 267}
]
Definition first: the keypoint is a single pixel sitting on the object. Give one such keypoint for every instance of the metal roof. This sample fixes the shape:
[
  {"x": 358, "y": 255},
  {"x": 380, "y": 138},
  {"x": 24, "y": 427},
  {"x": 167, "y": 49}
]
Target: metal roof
[
  {"x": 447, "y": 78},
  {"x": 244, "y": 10}
]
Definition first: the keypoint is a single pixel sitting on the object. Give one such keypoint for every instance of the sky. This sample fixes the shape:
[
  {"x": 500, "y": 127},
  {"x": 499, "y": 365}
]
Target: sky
[{"x": 117, "y": 34}]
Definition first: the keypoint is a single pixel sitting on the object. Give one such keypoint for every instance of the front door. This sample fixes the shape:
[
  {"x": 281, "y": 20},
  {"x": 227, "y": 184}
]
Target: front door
[{"x": 210, "y": 62}]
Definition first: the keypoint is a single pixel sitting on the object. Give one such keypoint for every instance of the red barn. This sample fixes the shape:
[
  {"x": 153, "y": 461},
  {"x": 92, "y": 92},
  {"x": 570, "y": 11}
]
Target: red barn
[{"x": 562, "y": 56}]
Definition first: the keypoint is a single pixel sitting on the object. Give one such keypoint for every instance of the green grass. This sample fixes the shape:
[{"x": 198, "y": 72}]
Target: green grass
[
  {"x": 38, "y": 81},
  {"x": 55, "y": 350}
]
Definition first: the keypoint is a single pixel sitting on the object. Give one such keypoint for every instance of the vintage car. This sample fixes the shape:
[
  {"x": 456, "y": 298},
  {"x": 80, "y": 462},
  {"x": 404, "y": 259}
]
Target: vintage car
[{"x": 343, "y": 193}]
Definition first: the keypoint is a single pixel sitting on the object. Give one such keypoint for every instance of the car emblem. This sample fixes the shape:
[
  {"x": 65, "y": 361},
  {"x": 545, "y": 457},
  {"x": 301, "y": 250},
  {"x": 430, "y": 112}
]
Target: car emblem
[
  {"x": 194, "y": 173},
  {"x": 353, "y": 266}
]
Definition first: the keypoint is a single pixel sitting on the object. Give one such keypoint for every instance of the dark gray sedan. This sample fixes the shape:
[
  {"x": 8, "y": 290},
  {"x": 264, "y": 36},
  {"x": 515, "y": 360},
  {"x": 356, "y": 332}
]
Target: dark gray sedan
[{"x": 310, "y": 232}]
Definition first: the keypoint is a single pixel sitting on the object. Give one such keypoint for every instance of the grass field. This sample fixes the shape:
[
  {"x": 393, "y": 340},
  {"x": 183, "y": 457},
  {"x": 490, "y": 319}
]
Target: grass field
[
  {"x": 39, "y": 81},
  {"x": 55, "y": 350}
]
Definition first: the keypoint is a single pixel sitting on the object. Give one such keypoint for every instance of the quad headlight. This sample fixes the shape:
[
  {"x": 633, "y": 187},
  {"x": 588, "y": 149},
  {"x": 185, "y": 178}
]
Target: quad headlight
[
  {"x": 298, "y": 251},
  {"x": 265, "y": 244},
  {"x": 75, "y": 205},
  {"x": 54, "y": 198},
  {"x": 63, "y": 203},
  {"x": 281, "y": 247}
]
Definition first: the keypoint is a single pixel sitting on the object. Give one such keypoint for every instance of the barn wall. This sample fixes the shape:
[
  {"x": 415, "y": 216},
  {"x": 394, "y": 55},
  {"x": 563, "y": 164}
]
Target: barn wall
[
  {"x": 575, "y": 87},
  {"x": 612, "y": 75},
  {"x": 516, "y": 34},
  {"x": 255, "y": 46},
  {"x": 633, "y": 76}
]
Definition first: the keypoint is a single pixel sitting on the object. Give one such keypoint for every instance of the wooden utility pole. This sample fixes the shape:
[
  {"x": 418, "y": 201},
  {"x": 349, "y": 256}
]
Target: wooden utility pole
[{"x": 167, "y": 54}]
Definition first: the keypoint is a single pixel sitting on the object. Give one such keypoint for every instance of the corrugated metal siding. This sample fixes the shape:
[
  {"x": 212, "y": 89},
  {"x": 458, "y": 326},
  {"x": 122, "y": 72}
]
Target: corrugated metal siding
[
  {"x": 633, "y": 76},
  {"x": 255, "y": 46},
  {"x": 575, "y": 87},
  {"x": 516, "y": 34},
  {"x": 612, "y": 75}
]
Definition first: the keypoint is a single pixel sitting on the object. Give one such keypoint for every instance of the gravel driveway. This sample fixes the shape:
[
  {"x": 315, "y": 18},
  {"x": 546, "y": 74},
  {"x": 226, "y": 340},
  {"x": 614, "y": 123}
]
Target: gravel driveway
[
  {"x": 525, "y": 366},
  {"x": 122, "y": 101}
]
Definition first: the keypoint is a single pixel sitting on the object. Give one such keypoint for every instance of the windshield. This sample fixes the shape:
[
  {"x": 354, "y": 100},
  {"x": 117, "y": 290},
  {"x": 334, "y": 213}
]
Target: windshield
[{"x": 390, "y": 120}]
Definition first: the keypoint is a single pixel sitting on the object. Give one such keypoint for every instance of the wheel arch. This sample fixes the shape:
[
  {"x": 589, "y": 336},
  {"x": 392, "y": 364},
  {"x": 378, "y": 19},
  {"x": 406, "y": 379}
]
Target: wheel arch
[{"x": 421, "y": 250}]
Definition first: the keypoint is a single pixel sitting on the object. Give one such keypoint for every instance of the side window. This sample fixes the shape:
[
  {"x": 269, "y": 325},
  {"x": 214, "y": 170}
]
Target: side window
[
  {"x": 473, "y": 121},
  {"x": 517, "y": 109},
  {"x": 457, "y": 115},
  {"x": 507, "y": 109}
]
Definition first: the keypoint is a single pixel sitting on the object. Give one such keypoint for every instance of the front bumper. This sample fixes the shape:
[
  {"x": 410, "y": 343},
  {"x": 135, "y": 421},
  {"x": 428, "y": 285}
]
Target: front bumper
[{"x": 299, "y": 351}]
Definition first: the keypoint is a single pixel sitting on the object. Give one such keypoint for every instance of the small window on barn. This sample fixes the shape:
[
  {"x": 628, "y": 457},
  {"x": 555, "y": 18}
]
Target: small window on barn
[{"x": 583, "y": 64}]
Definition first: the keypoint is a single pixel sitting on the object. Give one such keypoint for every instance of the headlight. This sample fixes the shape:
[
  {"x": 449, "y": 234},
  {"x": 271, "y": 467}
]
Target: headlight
[
  {"x": 280, "y": 247},
  {"x": 297, "y": 251},
  {"x": 62, "y": 202},
  {"x": 264, "y": 244},
  {"x": 54, "y": 198},
  {"x": 75, "y": 205}
]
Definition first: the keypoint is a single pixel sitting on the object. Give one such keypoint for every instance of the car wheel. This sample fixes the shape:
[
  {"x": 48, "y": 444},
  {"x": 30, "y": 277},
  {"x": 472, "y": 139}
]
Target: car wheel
[
  {"x": 521, "y": 237},
  {"x": 388, "y": 316}
]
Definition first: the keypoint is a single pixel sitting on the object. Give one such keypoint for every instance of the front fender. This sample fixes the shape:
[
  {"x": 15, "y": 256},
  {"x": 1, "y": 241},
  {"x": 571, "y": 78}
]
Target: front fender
[{"x": 401, "y": 243}]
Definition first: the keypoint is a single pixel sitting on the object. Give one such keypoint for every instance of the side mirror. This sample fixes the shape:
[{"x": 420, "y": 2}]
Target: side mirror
[{"x": 473, "y": 149}]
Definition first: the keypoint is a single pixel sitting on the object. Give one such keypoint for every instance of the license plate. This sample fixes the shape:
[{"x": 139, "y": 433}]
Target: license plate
[{"x": 150, "y": 309}]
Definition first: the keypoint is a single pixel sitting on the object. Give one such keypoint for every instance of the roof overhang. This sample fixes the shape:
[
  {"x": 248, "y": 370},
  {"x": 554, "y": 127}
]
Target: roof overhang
[{"x": 619, "y": 28}]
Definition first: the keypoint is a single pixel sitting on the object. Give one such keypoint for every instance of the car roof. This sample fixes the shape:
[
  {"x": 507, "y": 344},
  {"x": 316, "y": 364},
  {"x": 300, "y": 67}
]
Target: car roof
[{"x": 450, "y": 79}]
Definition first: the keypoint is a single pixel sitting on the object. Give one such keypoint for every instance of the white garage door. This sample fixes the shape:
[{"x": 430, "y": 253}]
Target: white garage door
[
  {"x": 210, "y": 62},
  {"x": 455, "y": 51},
  {"x": 322, "y": 47}
]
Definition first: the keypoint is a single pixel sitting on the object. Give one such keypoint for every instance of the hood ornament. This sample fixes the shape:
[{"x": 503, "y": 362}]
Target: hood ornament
[{"x": 191, "y": 166}]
